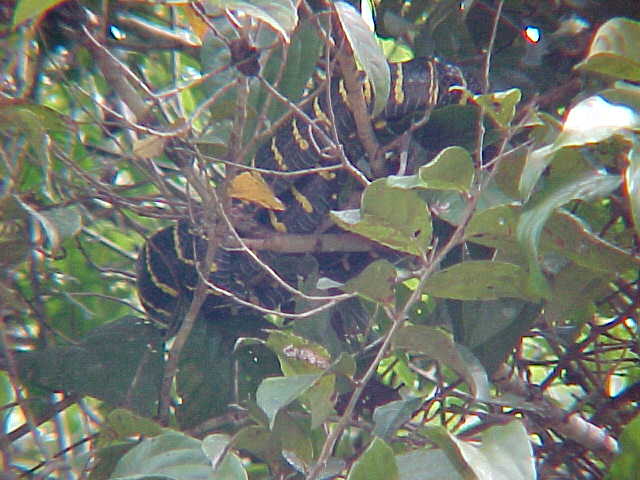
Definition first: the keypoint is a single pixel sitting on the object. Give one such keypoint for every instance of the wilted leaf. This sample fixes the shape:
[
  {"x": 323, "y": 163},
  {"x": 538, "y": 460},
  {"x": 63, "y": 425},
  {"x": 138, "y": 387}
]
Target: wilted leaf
[{"x": 251, "y": 187}]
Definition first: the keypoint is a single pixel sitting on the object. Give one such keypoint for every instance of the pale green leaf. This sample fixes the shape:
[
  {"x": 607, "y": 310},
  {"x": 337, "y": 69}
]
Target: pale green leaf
[
  {"x": 276, "y": 393},
  {"x": 394, "y": 217},
  {"x": 439, "y": 346},
  {"x": 615, "y": 50},
  {"x": 376, "y": 463},
  {"x": 477, "y": 280}
]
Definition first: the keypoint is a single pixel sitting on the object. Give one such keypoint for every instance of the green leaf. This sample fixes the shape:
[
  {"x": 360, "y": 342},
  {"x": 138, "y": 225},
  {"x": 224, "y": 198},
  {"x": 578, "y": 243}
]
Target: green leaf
[
  {"x": 297, "y": 355},
  {"x": 205, "y": 379},
  {"x": 376, "y": 463},
  {"x": 627, "y": 465},
  {"x": 171, "y": 455},
  {"x": 231, "y": 467},
  {"x": 501, "y": 106},
  {"x": 294, "y": 437},
  {"x": 426, "y": 465},
  {"x": 451, "y": 169},
  {"x": 494, "y": 227},
  {"x": 28, "y": 9},
  {"x": 438, "y": 345},
  {"x": 301, "y": 62},
  {"x": 492, "y": 328},
  {"x": 592, "y": 121},
  {"x": 393, "y": 217},
  {"x": 276, "y": 393},
  {"x": 615, "y": 50},
  {"x": 389, "y": 417},
  {"x": 14, "y": 232},
  {"x": 505, "y": 453},
  {"x": 375, "y": 282},
  {"x": 535, "y": 217},
  {"x": 281, "y": 15},
  {"x": 119, "y": 362},
  {"x": 570, "y": 236},
  {"x": 121, "y": 424},
  {"x": 632, "y": 183},
  {"x": 367, "y": 52},
  {"x": 477, "y": 280}
]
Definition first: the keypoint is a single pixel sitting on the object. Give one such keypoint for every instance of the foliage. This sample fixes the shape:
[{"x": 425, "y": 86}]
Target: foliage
[{"x": 467, "y": 309}]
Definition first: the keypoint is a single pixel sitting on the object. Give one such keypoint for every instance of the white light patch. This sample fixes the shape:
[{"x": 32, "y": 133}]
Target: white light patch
[
  {"x": 366, "y": 11},
  {"x": 532, "y": 34},
  {"x": 595, "y": 112}
]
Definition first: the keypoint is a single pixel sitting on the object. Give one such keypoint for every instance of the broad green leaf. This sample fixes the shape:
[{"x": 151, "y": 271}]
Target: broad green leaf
[
  {"x": 281, "y": 15},
  {"x": 508, "y": 449},
  {"x": 574, "y": 289},
  {"x": 376, "y": 463},
  {"x": 30, "y": 9},
  {"x": 171, "y": 455},
  {"x": 504, "y": 454},
  {"x": 438, "y": 345},
  {"x": 615, "y": 50},
  {"x": 534, "y": 218},
  {"x": 319, "y": 399},
  {"x": 500, "y": 106},
  {"x": 230, "y": 467},
  {"x": 276, "y": 393},
  {"x": 375, "y": 282},
  {"x": 297, "y": 355},
  {"x": 477, "y": 280},
  {"x": 427, "y": 464},
  {"x": 205, "y": 380},
  {"x": 494, "y": 227},
  {"x": 367, "y": 52},
  {"x": 294, "y": 437},
  {"x": 451, "y": 169},
  {"x": 627, "y": 465},
  {"x": 301, "y": 62},
  {"x": 119, "y": 362},
  {"x": 389, "y": 417},
  {"x": 570, "y": 236},
  {"x": 14, "y": 232},
  {"x": 121, "y": 424},
  {"x": 592, "y": 121},
  {"x": 632, "y": 182},
  {"x": 492, "y": 328},
  {"x": 396, "y": 218}
]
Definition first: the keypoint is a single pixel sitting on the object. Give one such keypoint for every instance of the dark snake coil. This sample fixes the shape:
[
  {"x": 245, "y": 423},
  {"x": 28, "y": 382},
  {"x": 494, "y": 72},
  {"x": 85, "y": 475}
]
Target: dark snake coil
[{"x": 166, "y": 267}]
